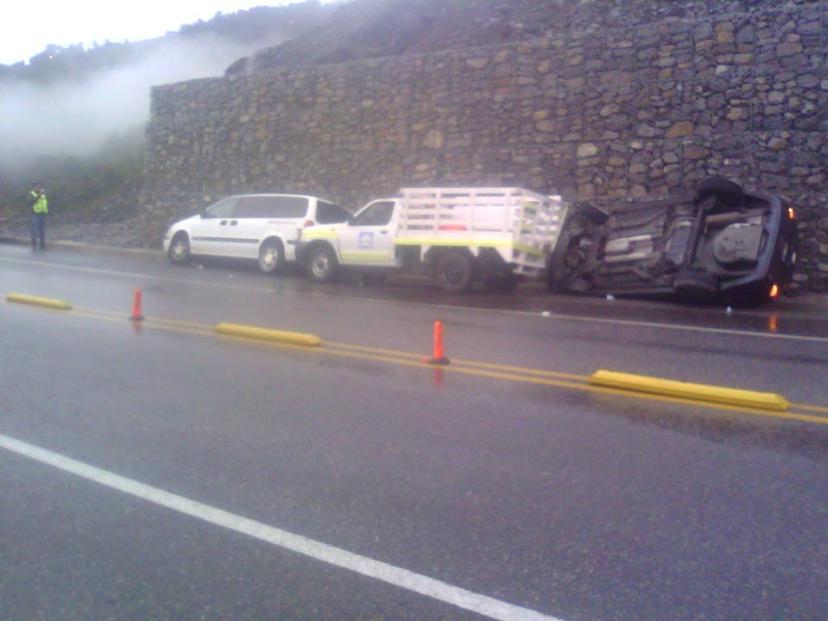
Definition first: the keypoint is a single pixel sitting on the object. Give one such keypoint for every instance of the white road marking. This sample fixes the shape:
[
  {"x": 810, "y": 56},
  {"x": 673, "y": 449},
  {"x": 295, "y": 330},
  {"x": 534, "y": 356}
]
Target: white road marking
[
  {"x": 390, "y": 574},
  {"x": 450, "y": 307},
  {"x": 682, "y": 327}
]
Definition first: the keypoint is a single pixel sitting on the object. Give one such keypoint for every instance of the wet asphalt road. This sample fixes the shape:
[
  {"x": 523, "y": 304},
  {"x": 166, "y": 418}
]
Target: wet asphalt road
[{"x": 578, "y": 505}]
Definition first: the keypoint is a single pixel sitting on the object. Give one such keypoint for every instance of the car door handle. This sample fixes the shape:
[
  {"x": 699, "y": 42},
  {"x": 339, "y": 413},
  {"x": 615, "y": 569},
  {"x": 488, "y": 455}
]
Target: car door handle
[
  {"x": 383, "y": 232},
  {"x": 233, "y": 222},
  {"x": 223, "y": 223}
]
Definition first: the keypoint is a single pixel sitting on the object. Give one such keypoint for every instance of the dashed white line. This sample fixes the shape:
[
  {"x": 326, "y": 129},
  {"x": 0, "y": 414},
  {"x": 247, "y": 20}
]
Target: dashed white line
[{"x": 384, "y": 572}]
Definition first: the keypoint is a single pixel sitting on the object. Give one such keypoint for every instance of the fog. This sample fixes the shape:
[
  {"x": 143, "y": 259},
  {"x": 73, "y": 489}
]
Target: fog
[{"x": 75, "y": 117}]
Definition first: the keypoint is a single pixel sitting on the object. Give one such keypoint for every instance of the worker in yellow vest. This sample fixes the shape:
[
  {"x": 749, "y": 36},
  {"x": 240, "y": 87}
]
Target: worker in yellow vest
[{"x": 40, "y": 207}]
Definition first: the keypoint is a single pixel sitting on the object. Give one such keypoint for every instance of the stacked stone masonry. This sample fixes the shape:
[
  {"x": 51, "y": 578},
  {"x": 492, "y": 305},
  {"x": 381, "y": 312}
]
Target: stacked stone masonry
[{"x": 640, "y": 103}]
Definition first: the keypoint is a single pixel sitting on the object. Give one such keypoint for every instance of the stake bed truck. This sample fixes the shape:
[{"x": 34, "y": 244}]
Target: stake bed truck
[{"x": 459, "y": 236}]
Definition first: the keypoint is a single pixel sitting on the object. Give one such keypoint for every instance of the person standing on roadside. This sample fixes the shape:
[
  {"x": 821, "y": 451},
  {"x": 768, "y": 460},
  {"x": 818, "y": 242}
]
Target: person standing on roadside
[{"x": 40, "y": 207}]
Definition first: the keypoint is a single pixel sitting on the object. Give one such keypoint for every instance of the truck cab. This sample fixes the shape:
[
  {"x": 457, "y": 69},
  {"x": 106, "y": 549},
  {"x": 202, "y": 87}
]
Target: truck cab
[{"x": 365, "y": 240}]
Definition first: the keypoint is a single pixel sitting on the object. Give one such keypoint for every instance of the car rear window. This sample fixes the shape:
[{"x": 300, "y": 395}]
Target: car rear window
[
  {"x": 271, "y": 207},
  {"x": 328, "y": 213}
]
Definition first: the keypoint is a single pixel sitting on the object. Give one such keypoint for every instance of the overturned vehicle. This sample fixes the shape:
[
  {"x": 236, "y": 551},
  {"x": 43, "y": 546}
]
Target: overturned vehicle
[{"x": 722, "y": 243}]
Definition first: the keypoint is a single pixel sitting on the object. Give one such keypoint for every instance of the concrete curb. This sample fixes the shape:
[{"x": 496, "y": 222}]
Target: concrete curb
[
  {"x": 87, "y": 248},
  {"x": 34, "y": 300},
  {"x": 694, "y": 392},
  {"x": 266, "y": 334}
]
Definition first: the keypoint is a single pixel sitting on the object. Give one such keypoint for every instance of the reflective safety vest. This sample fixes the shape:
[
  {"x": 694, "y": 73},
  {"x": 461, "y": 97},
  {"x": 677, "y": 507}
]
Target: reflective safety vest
[{"x": 41, "y": 205}]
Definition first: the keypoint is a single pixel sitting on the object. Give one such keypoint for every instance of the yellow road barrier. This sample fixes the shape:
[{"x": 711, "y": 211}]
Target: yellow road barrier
[
  {"x": 266, "y": 334},
  {"x": 685, "y": 390},
  {"x": 35, "y": 300}
]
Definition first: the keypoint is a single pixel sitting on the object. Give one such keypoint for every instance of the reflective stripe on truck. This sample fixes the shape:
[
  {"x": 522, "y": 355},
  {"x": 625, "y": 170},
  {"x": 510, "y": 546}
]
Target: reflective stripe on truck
[{"x": 485, "y": 243}]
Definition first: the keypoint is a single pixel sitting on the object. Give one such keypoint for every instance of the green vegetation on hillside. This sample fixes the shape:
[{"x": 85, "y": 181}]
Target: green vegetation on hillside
[
  {"x": 73, "y": 117},
  {"x": 89, "y": 187}
]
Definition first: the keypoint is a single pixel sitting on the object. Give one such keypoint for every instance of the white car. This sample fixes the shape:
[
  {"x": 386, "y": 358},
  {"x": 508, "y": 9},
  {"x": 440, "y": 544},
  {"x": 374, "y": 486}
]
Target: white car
[{"x": 264, "y": 227}]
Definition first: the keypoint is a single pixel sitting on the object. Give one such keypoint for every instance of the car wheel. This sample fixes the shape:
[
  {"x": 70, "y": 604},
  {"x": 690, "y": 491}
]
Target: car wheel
[
  {"x": 568, "y": 267},
  {"x": 455, "y": 271},
  {"x": 727, "y": 191},
  {"x": 271, "y": 256},
  {"x": 594, "y": 214},
  {"x": 321, "y": 264},
  {"x": 180, "y": 248}
]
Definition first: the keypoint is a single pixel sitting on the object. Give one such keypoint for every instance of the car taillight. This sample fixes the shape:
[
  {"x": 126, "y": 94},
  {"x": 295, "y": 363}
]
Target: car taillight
[
  {"x": 308, "y": 223},
  {"x": 791, "y": 213},
  {"x": 774, "y": 291}
]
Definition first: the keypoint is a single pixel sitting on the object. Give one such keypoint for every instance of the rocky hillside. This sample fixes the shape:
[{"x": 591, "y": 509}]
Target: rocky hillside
[
  {"x": 362, "y": 29},
  {"x": 374, "y": 28}
]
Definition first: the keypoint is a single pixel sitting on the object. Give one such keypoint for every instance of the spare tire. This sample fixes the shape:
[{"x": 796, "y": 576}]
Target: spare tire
[{"x": 728, "y": 192}]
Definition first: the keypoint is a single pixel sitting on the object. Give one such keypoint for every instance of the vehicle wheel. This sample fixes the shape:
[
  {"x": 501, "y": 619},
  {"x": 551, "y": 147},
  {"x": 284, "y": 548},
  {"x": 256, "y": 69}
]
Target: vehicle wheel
[
  {"x": 727, "y": 191},
  {"x": 594, "y": 214},
  {"x": 180, "y": 248},
  {"x": 271, "y": 256},
  {"x": 503, "y": 281},
  {"x": 321, "y": 264},
  {"x": 568, "y": 268},
  {"x": 455, "y": 272}
]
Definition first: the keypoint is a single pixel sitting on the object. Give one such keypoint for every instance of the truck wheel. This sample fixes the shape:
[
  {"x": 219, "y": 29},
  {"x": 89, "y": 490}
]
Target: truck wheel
[
  {"x": 321, "y": 265},
  {"x": 455, "y": 272},
  {"x": 180, "y": 248},
  {"x": 271, "y": 256}
]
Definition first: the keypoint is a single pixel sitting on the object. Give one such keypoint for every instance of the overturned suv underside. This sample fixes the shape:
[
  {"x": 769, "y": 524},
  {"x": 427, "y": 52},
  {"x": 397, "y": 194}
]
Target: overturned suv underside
[{"x": 721, "y": 242}]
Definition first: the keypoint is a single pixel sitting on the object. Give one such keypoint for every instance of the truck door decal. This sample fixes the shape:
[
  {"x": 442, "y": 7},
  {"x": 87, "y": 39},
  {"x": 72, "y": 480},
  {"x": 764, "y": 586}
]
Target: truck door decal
[{"x": 366, "y": 240}]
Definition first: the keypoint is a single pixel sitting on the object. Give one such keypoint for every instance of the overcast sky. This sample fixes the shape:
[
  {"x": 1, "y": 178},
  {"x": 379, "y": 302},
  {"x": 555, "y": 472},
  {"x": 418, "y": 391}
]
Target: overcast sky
[{"x": 28, "y": 26}]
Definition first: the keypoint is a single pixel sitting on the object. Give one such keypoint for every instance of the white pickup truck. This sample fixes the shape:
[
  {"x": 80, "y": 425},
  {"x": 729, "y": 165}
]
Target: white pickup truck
[{"x": 457, "y": 235}]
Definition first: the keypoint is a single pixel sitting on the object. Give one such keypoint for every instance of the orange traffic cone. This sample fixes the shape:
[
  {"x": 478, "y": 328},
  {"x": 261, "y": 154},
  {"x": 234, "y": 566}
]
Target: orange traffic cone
[
  {"x": 136, "y": 306},
  {"x": 438, "y": 355}
]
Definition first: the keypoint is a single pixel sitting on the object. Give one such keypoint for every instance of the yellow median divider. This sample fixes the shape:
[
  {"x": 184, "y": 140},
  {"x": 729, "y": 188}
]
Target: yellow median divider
[
  {"x": 686, "y": 390},
  {"x": 36, "y": 300},
  {"x": 266, "y": 334}
]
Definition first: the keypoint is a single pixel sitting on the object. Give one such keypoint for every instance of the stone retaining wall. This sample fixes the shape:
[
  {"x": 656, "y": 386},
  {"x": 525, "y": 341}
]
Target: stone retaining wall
[{"x": 637, "y": 108}]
